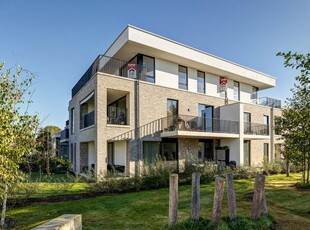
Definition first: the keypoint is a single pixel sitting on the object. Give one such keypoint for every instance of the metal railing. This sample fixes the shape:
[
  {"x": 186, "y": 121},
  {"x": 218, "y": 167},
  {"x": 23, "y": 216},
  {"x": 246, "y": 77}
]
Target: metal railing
[
  {"x": 117, "y": 115},
  {"x": 202, "y": 124},
  {"x": 181, "y": 122},
  {"x": 64, "y": 134},
  {"x": 256, "y": 129},
  {"x": 113, "y": 66},
  {"x": 268, "y": 101},
  {"x": 89, "y": 119},
  {"x": 86, "y": 76}
]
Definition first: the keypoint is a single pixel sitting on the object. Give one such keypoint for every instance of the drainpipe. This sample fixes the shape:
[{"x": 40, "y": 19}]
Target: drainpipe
[
  {"x": 137, "y": 125},
  {"x": 272, "y": 134}
]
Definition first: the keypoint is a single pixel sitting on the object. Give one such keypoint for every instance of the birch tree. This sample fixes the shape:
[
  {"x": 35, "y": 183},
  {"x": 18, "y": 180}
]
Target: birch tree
[{"x": 17, "y": 128}]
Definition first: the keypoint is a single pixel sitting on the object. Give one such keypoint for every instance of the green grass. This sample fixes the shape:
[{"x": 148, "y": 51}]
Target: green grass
[{"x": 290, "y": 207}]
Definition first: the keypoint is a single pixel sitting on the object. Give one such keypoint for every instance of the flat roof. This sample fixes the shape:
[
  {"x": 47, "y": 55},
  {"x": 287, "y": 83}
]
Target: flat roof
[{"x": 134, "y": 40}]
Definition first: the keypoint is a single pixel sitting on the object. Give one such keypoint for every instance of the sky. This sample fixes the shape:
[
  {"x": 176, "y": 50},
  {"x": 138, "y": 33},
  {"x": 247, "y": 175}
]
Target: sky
[{"x": 57, "y": 40}]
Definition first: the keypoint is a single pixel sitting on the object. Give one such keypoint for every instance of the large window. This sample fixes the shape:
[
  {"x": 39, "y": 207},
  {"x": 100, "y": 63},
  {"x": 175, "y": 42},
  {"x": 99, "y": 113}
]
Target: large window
[
  {"x": 145, "y": 67},
  {"x": 183, "y": 81},
  {"x": 266, "y": 152},
  {"x": 111, "y": 156},
  {"x": 246, "y": 153},
  {"x": 117, "y": 112},
  {"x": 247, "y": 122},
  {"x": 155, "y": 150},
  {"x": 151, "y": 151},
  {"x": 148, "y": 71},
  {"x": 201, "y": 84},
  {"x": 266, "y": 120},
  {"x": 205, "y": 120},
  {"x": 169, "y": 149},
  {"x": 236, "y": 91},
  {"x": 254, "y": 94},
  {"x": 172, "y": 108}
]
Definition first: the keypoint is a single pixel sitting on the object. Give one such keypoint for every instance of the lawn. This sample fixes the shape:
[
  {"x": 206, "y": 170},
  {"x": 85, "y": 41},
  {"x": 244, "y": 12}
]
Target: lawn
[{"x": 289, "y": 206}]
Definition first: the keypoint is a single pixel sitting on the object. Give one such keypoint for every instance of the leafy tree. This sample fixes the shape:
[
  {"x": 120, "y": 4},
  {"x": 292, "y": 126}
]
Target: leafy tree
[
  {"x": 44, "y": 146},
  {"x": 294, "y": 125},
  {"x": 17, "y": 128}
]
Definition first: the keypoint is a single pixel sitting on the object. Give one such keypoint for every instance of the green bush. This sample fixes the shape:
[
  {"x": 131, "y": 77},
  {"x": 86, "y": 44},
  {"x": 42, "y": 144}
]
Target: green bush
[{"x": 241, "y": 223}]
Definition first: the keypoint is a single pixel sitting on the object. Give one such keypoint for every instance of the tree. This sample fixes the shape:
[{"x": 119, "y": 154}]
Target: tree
[
  {"x": 17, "y": 128},
  {"x": 294, "y": 125},
  {"x": 44, "y": 146}
]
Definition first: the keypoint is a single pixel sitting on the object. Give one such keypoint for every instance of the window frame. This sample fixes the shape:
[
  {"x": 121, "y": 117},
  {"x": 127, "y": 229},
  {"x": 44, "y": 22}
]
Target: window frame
[
  {"x": 180, "y": 84},
  {"x": 204, "y": 82},
  {"x": 72, "y": 121},
  {"x": 238, "y": 93},
  {"x": 266, "y": 152}
]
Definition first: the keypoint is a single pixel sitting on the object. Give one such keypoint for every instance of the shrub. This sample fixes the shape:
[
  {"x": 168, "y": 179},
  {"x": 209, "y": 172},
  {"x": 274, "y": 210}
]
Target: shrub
[{"x": 241, "y": 223}]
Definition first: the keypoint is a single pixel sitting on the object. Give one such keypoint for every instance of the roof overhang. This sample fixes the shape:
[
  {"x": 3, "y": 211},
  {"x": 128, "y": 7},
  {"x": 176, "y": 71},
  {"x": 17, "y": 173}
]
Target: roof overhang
[{"x": 134, "y": 40}]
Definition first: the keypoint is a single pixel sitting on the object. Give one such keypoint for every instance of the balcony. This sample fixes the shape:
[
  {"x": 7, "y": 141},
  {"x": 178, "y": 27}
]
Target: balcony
[
  {"x": 191, "y": 126},
  {"x": 64, "y": 135},
  {"x": 256, "y": 129},
  {"x": 267, "y": 101},
  {"x": 117, "y": 116},
  {"x": 89, "y": 119},
  {"x": 113, "y": 66}
]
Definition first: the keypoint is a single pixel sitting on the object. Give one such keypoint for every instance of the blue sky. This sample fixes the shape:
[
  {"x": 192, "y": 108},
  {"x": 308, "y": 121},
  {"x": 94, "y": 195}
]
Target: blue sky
[{"x": 58, "y": 40}]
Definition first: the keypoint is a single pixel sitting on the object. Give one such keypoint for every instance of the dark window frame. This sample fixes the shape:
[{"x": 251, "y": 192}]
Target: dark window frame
[
  {"x": 139, "y": 63},
  {"x": 72, "y": 120},
  {"x": 254, "y": 92},
  {"x": 249, "y": 163},
  {"x": 186, "y": 76},
  {"x": 204, "y": 81},
  {"x": 238, "y": 98}
]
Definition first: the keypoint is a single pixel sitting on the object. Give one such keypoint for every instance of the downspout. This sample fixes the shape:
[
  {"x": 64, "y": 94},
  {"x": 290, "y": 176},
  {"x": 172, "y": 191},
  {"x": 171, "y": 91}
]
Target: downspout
[{"x": 137, "y": 125}]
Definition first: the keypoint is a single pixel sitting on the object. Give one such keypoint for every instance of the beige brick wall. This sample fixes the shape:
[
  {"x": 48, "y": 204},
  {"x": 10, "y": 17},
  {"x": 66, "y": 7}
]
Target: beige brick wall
[{"x": 153, "y": 105}]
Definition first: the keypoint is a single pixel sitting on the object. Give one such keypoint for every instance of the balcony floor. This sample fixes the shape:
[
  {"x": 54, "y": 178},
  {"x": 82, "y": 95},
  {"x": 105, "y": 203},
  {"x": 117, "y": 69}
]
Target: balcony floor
[{"x": 193, "y": 134}]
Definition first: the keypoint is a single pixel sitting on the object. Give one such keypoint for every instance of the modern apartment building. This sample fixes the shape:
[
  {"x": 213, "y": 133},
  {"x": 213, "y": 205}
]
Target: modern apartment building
[{"x": 148, "y": 95}]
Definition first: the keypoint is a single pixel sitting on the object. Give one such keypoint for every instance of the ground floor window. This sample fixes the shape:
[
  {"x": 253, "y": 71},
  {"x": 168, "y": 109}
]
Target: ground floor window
[
  {"x": 205, "y": 150},
  {"x": 167, "y": 150},
  {"x": 266, "y": 152},
  {"x": 246, "y": 153},
  {"x": 151, "y": 151},
  {"x": 111, "y": 158}
]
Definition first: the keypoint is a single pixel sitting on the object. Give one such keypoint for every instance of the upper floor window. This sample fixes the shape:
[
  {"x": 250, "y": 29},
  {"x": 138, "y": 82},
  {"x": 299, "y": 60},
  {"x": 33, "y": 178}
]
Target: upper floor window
[
  {"x": 183, "y": 81},
  {"x": 266, "y": 120},
  {"x": 72, "y": 120},
  {"x": 143, "y": 66},
  {"x": 236, "y": 91},
  {"x": 172, "y": 107},
  {"x": 201, "y": 82},
  {"x": 254, "y": 93},
  {"x": 148, "y": 69}
]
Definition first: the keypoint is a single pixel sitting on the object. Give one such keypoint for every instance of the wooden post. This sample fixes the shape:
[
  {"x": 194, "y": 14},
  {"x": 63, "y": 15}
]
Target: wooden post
[
  {"x": 231, "y": 196},
  {"x": 217, "y": 201},
  {"x": 264, "y": 210},
  {"x": 173, "y": 200},
  {"x": 195, "y": 196},
  {"x": 257, "y": 196}
]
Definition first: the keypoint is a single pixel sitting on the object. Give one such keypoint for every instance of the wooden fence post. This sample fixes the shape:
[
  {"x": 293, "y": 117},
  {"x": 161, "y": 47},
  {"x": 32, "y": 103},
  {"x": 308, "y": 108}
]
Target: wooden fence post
[
  {"x": 195, "y": 196},
  {"x": 173, "y": 200},
  {"x": 264, "y": 210},
  {"x": 257, "y": 196},
  {"x": 217, "y": 201},
  {"x": 231, "y": 196}
]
